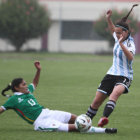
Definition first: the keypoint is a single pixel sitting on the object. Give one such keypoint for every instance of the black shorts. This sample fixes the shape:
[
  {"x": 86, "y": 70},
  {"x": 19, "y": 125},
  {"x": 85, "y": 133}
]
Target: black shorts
[{"x": 109, "y": 81}]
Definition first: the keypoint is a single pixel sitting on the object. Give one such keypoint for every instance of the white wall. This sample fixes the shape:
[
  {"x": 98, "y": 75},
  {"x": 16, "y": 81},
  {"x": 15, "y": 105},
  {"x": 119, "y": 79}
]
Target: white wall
[
  {"x": 54, "y": 37},
  {"x": 4, "y": 46},
  {"x": 84, "y": 46},
  {"x": 73, "y": 46},
  {"x": 33, "y": 44}
]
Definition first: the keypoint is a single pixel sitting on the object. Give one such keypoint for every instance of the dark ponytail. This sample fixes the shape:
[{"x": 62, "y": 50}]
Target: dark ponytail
[
  {"x": 122, "y": 23},
  {"x": 6, "y": 89},
  {"x": 11, "y": 86},
  {"x": 124, "y": 19}
]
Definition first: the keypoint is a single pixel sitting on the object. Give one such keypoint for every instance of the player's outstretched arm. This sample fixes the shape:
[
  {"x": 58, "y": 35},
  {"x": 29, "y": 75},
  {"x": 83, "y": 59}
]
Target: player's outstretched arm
[
  {"x": 109, "y": 21},
  {"x": 37, "y": 75},
  {"x": 1, "y": 110}
]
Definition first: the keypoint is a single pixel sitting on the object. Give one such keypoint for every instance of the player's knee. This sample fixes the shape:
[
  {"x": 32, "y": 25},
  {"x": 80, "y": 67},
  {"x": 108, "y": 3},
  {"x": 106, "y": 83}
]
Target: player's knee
[{"x": 114, "y": 96}]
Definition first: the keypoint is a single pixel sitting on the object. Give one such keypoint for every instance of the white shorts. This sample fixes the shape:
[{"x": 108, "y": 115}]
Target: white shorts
[{"x": 52, "y": 120}]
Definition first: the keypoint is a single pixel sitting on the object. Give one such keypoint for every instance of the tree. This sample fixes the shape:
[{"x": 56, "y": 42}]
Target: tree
[
  {"x": 101, "y": 26},
  {"x": 21, "y": 20}
]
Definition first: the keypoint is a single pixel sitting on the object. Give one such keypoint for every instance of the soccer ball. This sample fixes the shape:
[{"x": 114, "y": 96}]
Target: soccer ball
[{"x": 83, "y": 123}]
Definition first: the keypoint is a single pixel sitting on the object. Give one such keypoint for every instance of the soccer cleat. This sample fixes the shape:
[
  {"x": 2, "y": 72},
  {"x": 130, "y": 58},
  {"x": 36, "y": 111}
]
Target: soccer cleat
[
  {"x": 103, "y": 121},
  {"x": 110, "y": 130}
]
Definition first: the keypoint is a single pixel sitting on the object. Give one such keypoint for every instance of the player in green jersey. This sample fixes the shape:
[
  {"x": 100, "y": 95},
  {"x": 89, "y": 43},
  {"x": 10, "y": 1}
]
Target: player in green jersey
[{"x": 26, "y": 106}]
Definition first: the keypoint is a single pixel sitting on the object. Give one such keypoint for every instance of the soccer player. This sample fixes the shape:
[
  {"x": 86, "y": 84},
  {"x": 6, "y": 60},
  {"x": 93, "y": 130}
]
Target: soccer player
[
  {"x": 26, "y": 106},
  {"x": 119, "y": 76}
]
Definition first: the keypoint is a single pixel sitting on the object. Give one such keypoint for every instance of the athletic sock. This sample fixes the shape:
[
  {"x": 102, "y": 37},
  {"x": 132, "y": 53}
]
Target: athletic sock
[
  {"x": 91, "y": 112},
  {"x": 110, "y": 105},
  {"x": 96, "y": 130}
]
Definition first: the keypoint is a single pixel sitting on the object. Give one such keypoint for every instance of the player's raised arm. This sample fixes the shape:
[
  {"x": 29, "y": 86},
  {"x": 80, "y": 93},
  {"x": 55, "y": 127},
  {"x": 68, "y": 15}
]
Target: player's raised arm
[
  {"x": 109, "y": 21},
  {"x": 37, "y": 75}
]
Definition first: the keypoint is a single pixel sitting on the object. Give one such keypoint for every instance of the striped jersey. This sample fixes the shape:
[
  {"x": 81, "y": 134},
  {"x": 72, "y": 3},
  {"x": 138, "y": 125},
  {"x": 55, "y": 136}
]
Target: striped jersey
[
  {"x": 121, "y": 65},
  {"x": 25, "y": 105}
]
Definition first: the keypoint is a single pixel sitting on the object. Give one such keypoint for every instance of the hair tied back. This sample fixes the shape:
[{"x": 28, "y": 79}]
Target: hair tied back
[
  {"x": 6, "y": 89},
  {"x": 124, "y": 19}
]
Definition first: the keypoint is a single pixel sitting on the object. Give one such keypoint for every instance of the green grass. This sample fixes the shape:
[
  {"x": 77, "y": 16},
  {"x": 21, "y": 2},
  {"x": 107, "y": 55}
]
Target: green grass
[{"x": 68, "y": 82}]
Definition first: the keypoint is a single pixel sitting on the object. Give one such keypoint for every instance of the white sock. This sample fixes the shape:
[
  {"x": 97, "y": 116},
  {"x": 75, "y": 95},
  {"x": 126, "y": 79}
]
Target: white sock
[{"x": 96, "y": 130}]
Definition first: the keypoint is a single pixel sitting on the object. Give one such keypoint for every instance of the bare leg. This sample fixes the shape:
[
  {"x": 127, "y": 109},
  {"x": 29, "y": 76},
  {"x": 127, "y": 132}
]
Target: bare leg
[
  {"x": 72, "y": 128},
  {"x": 72, "y": 119},
  {"x": 98, "y": 100},
  {"x": 117, "y": 91},
  {"x": 110, "y": 105}
]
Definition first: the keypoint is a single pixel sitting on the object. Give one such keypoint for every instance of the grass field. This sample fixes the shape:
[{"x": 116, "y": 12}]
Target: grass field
[{"x": 68, "y": 82}]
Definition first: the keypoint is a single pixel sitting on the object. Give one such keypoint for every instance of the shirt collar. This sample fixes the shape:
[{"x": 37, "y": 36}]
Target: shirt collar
[{"x": 18, "y": 93}]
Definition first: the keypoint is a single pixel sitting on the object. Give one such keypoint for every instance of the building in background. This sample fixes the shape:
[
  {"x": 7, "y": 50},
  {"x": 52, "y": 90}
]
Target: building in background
[{"x": 72, "y": 27}]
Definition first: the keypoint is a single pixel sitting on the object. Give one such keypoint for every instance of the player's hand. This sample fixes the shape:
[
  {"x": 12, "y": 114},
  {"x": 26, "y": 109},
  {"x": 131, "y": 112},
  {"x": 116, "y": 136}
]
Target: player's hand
[
  {"x": 108, "y": 13},
  {"x": 122, "y": 37},
  {"x": 37, "y": 65}
]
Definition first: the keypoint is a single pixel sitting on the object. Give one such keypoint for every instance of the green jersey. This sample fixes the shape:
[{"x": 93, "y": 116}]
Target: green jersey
[{"x": 25, "y": 105}]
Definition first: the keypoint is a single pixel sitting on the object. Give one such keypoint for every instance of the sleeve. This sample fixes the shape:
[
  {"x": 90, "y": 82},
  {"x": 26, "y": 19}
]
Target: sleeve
[
  {"x": 115, "y": 37},
  {"x": 31, "y": 88},
  {"x": 131, "y": 47},
  {"x": 9, "y": 104}
]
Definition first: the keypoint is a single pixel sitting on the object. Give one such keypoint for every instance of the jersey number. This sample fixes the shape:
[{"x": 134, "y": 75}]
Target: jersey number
[{"x": 31, "y": 102}]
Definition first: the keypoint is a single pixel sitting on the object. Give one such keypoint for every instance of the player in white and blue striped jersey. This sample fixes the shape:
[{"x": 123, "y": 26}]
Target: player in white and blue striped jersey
[
  {"x": 122, "y": 66},
  {"x": 119, "y": 76}
]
